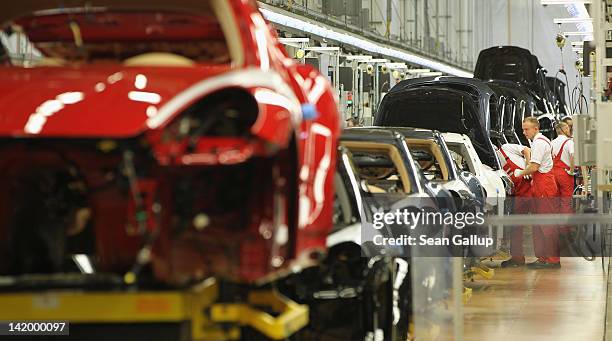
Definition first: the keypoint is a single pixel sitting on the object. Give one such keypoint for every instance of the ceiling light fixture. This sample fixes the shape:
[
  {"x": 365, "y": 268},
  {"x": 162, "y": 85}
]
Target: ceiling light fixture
[
  {"x": 361, "y": 43},
  {"x": 559, "y": 21},
  {"x": 577, "y": 33},
  {"x": 565, "y": 2}
]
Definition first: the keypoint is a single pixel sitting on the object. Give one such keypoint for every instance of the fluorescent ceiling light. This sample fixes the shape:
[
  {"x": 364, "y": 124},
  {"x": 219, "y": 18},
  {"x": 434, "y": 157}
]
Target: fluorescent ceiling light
[
  {"x": 378, "y": 60},
  {"x": 431, "y": 74},
  {"x": 293, "y": 40},
  {"x": 572, "y": 20},
  {"x": 564, "y": 2},
  {"x": 396, "y": 66},
  {"x": 567, "y": 34},
  {"x": 357, "y": 57},
  {"x": 322, "y": 48},
  {"x": 361, "y": 43},
  {"x": 579, "y": 11},
  {"x": 416, "y": 71}
]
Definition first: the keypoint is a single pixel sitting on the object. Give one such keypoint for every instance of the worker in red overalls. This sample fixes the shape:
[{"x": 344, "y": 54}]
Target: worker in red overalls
[
  {"x": 563, "y": 153},
  {"x": 515, "y": 157},
  {"x": 543, "y": 193}
]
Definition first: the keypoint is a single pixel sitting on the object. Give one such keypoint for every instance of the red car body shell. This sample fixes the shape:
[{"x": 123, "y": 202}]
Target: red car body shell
[{"x": 102, "y": 101}]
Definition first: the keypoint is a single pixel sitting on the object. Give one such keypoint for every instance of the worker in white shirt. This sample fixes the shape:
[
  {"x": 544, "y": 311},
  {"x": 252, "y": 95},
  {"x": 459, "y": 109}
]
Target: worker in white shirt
[
  {"x": 516, "y": 157},
  {"x": 543, "y": 192},
  {"x": 563, "y": 168},
  {"x": 563, "y": 153}
]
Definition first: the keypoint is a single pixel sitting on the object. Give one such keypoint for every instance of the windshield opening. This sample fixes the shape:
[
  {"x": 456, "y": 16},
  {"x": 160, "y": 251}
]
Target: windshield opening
[{"x": 133, "y": 38}]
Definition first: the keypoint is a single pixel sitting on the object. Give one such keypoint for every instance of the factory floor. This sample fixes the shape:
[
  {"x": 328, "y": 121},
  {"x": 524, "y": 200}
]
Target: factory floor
[{"x": 523, "y": 304}]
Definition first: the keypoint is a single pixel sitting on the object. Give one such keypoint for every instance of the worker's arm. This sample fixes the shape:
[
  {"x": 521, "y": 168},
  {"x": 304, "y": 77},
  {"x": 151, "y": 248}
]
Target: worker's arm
[
  {"x": 529, "y": 170},
  {"x": 570, "y": 171},
  {"x": 527, "y": 155},
  {"x": 571, "y": 154}
]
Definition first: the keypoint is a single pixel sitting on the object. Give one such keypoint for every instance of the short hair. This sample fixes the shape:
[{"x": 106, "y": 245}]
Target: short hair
[
  {"x": 533, "y": 121},
  {"x": 566, "y": 118},
  {"x": 559, "y": 127}
]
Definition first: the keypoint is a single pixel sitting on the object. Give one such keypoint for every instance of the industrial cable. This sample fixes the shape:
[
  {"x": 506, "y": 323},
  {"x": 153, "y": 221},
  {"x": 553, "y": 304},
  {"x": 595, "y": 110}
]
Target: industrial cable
[
  {"x": 605, "y": 238},
  {"x": 566, "y": 89},
  {"x": 607, "y": 279},
  {"x": 557, "y": 80},
  {"x": 572, "y": 103},
  {"x": 143, "y": 257},
  {"x": 578, "y": 103},
  {"x": 607, "y": 298},
  {"x": 586, "y": 104},
  {"x": 603, "y": 248},
  {"x": 577, "y": 250},
  {"x": 575, "y": 102},
  {"x": 560, "y": 39}
]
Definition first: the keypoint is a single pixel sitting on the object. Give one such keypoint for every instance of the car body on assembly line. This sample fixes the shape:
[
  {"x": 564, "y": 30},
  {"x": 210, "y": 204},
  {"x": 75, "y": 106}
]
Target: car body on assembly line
[
  {"x": 372, "y": 145},
  {"x": 517, "y": 65},
  {"x": 496, "y": 183},
  {"x": 515, "y": 104},
  {"x": 160, "y": 122},
  {"x": 435, "y": 161},
  {"x": 447, "y": 104}
]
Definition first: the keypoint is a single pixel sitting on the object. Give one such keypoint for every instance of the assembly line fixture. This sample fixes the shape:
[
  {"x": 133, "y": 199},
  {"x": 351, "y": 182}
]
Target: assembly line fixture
[
  {"x": 354, "y": 61},
  {"x": 334, "y": 55},
  {"x": 299, "y": 43},
  {"x": 377, "y": 64}
]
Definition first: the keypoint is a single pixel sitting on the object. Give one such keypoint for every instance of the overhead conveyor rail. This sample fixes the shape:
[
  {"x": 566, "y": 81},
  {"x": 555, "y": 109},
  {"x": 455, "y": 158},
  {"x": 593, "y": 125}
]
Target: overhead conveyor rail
[{"x": 323, "y": 27}]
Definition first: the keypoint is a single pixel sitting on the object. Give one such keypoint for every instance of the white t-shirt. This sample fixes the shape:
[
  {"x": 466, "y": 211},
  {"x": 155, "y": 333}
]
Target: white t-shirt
[
  {"x": 514, "y": 153},
  {"x": 541, "y": 153},
  {"x": 568, "y": 149}
]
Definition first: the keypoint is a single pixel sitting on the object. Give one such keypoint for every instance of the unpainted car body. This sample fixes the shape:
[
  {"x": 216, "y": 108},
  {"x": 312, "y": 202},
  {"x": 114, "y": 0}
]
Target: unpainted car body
[
  {"x": 518, "y": 65},
  {"x": 446, "y": 104},
  {"x": 519, "y": 104},
  {"x": 558, "y": 89}
]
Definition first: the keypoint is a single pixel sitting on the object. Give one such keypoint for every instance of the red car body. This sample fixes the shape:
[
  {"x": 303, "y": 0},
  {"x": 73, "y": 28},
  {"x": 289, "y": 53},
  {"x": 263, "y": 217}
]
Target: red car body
[{"x": 86, "y": 118}]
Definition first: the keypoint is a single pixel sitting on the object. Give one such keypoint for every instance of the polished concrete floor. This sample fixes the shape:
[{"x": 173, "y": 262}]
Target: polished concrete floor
[{"x": 523, "y": 304}]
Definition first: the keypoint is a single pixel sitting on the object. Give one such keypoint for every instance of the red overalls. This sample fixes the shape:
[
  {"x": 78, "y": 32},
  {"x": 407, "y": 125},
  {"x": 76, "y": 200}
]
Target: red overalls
[
  {"x": 564, "y": 180},
  {"x": 565, "y": 184},
  {"x": 543, "y": 192},
  {"x": 522, "y": 191},
  {"x": 522, "y": 187}
]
